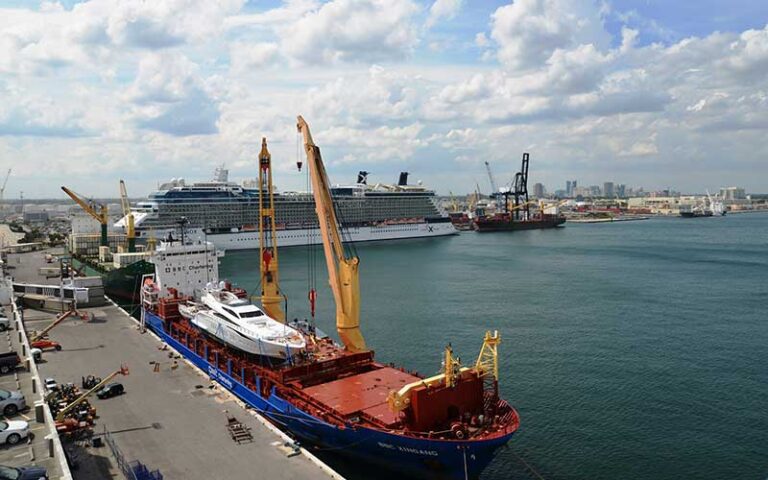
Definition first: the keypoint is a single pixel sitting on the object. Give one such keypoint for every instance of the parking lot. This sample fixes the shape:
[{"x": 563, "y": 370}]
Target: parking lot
[{"x": 34, "y": 450}]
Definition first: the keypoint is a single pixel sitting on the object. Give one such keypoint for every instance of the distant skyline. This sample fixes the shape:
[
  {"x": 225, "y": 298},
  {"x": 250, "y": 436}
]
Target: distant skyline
[{"x": 645, "y": 93}]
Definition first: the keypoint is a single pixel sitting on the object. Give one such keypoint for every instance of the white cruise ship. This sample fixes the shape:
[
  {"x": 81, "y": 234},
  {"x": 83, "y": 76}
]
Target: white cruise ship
[{"x": 227, "y": 214}]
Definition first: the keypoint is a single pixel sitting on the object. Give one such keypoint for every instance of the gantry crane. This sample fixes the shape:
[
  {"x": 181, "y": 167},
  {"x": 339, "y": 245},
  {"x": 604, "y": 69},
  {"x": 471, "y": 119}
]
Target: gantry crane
[
  {"x": 2, "y": 189},
  {"x": 270, "y": 289},
  {"x": 90, "y": 208},
  {"x": 130, "y": 231},
  {"x": 64, "y": 411},
  {"x": 343, "y": 274}
]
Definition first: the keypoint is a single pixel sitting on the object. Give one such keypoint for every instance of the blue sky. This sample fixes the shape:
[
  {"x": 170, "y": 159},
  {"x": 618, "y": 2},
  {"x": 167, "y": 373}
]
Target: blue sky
[{"x": 647, "y": 93}]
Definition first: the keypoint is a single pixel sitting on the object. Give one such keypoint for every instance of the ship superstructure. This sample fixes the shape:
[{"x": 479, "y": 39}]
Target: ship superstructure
[{"x": 227, "y": 214}]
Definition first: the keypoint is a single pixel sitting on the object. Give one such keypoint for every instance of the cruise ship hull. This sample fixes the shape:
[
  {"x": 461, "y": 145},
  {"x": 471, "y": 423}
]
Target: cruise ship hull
[
  {"x": 414, "y": 457},
  {"x": 249, "y": 239}
]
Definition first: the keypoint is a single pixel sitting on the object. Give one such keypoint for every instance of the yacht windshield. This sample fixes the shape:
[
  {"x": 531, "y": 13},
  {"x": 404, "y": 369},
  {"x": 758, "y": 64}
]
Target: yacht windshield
[{"x": 251, "y": 314}]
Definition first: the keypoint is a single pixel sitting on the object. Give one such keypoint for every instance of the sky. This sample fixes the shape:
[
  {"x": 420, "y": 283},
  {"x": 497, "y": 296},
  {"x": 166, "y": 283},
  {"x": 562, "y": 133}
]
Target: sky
[{"x": 647, "y": 93}]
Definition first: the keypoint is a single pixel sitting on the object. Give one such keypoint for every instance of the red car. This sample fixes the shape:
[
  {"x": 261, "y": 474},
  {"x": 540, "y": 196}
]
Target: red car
[{"x": 46, "y": 345}]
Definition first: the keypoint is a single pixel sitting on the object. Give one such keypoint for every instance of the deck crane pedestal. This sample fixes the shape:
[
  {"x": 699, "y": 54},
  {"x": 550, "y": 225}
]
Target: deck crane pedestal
[{"x": 90, "y": 206}]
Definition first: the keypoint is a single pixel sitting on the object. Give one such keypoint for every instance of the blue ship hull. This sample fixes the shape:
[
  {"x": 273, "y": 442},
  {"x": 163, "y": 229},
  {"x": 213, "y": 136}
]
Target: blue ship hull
[{"x": 417, "y": 457}]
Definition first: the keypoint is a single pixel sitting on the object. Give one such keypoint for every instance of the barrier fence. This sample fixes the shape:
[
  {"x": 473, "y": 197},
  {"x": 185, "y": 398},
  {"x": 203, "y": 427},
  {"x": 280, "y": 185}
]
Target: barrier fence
[{"x": 133, "y": 470}]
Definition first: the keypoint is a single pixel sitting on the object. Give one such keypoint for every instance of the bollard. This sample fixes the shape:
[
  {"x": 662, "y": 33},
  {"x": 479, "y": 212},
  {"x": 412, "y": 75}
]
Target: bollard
[
  {"x": 50, "y": 446},
  {"x": 39, "y": 412},
  {"x": 23, "y": 350},
  {"x": 28, "y": 365},
  {"x": 19, "y": 336},
  {"x": 34, "y": 385}
]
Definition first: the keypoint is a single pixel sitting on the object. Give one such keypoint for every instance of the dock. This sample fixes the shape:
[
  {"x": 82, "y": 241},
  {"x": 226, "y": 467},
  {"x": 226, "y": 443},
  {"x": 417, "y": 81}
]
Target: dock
[{"x": 172, "y": 418}]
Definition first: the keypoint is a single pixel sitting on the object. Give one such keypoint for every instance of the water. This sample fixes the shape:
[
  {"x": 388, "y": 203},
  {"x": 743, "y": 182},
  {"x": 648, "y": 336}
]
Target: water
[{"x": 632, "y": 350}]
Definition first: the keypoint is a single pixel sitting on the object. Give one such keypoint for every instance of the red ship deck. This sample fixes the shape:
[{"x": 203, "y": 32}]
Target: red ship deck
[{"x": 363, "y": 393}]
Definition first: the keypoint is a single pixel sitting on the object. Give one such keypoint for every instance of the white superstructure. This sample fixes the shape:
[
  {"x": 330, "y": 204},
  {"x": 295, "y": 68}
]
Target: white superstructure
[{"x": 186, "y": 268}]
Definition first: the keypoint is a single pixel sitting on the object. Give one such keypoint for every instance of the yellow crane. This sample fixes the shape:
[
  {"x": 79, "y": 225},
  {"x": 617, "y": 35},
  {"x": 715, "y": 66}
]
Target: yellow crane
[
  {"x": 64, "y": 411},
  {"x": 343, "y": 274},
  {"x": 90, "y": 208},
  {"x": 486, "y": 366},
  {"x": 130, "y": 231},
  {"x": 270, "y": 289}
]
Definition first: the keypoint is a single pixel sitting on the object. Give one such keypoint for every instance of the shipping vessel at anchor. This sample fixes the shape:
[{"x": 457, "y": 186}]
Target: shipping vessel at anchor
[{"x": 331, "y": 396}]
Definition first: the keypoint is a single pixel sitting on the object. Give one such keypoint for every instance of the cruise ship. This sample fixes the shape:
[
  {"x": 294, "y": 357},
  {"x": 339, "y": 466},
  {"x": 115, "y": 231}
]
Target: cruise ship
[{"x": 227, "y": 214}]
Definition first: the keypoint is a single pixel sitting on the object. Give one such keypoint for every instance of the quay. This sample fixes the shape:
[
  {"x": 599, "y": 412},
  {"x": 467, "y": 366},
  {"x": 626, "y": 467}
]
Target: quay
[{"x": 172, "y": 418}]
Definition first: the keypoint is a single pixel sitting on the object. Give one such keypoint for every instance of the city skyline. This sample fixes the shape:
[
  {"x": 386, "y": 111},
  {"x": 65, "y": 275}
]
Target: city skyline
[{"x": 659, "y": 95}]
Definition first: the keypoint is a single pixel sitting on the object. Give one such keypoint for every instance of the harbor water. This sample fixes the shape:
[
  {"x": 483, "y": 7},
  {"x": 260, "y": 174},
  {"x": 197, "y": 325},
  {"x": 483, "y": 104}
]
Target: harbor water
[{"x": 632, "y": 350}]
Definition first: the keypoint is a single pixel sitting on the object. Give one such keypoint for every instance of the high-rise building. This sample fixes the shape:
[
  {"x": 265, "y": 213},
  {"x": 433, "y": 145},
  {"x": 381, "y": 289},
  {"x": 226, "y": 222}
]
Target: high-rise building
[
  {"x": 608, "y": 190},
  {"x": 538, "y": 190},
  {"x": 621, "y": 190},
  {"x": 568, "y": 188},
  {"x": 732, "y": 193}
]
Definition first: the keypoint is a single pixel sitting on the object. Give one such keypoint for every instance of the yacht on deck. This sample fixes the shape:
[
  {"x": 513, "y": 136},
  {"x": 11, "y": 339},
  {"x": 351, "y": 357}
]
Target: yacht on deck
[{"x": 242, "y": 324}]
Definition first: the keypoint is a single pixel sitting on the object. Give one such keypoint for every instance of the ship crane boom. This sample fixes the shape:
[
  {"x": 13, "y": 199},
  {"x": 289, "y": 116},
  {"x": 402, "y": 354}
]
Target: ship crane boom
[
  {"x": 343, "y": 274},
  {"x": 130, "y": 229},
  {"x": 101, "y": 215}
]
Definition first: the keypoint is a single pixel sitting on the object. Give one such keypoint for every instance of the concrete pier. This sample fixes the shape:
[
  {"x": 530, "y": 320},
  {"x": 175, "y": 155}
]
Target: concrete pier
[{"x": 172, "y": 417}]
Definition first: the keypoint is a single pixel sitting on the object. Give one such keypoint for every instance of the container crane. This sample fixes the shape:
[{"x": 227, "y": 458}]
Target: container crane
[
  {"x": 90, "y": 208},
  {"x": 2, "y": 189},
  {"x": 64, "y": 411},
  {"x": 130, "y": 230},
  {"x": 270, "y": 290},
  {"x": 494, "y": 189},
  {"x": 343, "y": 274}
]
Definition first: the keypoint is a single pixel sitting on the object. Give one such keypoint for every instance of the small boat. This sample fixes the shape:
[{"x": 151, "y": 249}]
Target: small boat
[{"x": 243, "y": 325}]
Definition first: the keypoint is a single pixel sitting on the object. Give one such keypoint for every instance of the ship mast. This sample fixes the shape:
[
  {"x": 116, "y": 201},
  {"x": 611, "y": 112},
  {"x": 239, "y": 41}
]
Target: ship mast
[
  {"x": 343, "y": 274},
  {"x": 270, "y": 290}
]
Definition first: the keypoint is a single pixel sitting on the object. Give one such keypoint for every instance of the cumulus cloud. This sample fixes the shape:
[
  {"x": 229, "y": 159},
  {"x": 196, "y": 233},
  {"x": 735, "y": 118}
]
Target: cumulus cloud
[
  {"x": 443, "y": 9},
  {"x": 179, "y": 85},
  {"x": 352, "y": 30},
  {"x": 168, "y": 95},
  {"x": 527, "y": 32}
]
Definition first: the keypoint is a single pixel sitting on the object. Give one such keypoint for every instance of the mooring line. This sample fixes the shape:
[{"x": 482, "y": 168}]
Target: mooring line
[{"x": 527, "y": 465}]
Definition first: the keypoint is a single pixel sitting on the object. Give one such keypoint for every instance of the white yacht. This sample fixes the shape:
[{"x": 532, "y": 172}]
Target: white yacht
[{"x": 243, "y": 325}]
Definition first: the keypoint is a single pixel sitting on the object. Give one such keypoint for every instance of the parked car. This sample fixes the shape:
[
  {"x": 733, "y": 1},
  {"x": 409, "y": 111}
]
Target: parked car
[
  {"x": 11, "y": 402},
  {"x": 32, "y": 472},
  {"x": 110, "y": 390},
  {"x": 8, "y": 361},
  {"x": 37, "y": 355},
  {"x": 5, "y": 322},
  {"x": 50, "y": 384},
  {"x": 13, "y": 431}
]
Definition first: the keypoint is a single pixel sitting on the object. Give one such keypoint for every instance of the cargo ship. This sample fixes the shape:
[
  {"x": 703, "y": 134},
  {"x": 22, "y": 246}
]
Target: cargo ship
[
  {"x": 507, "y": 221},
  {"x": 516, "y": 209},
  {"x": 331, "y": 396}
]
